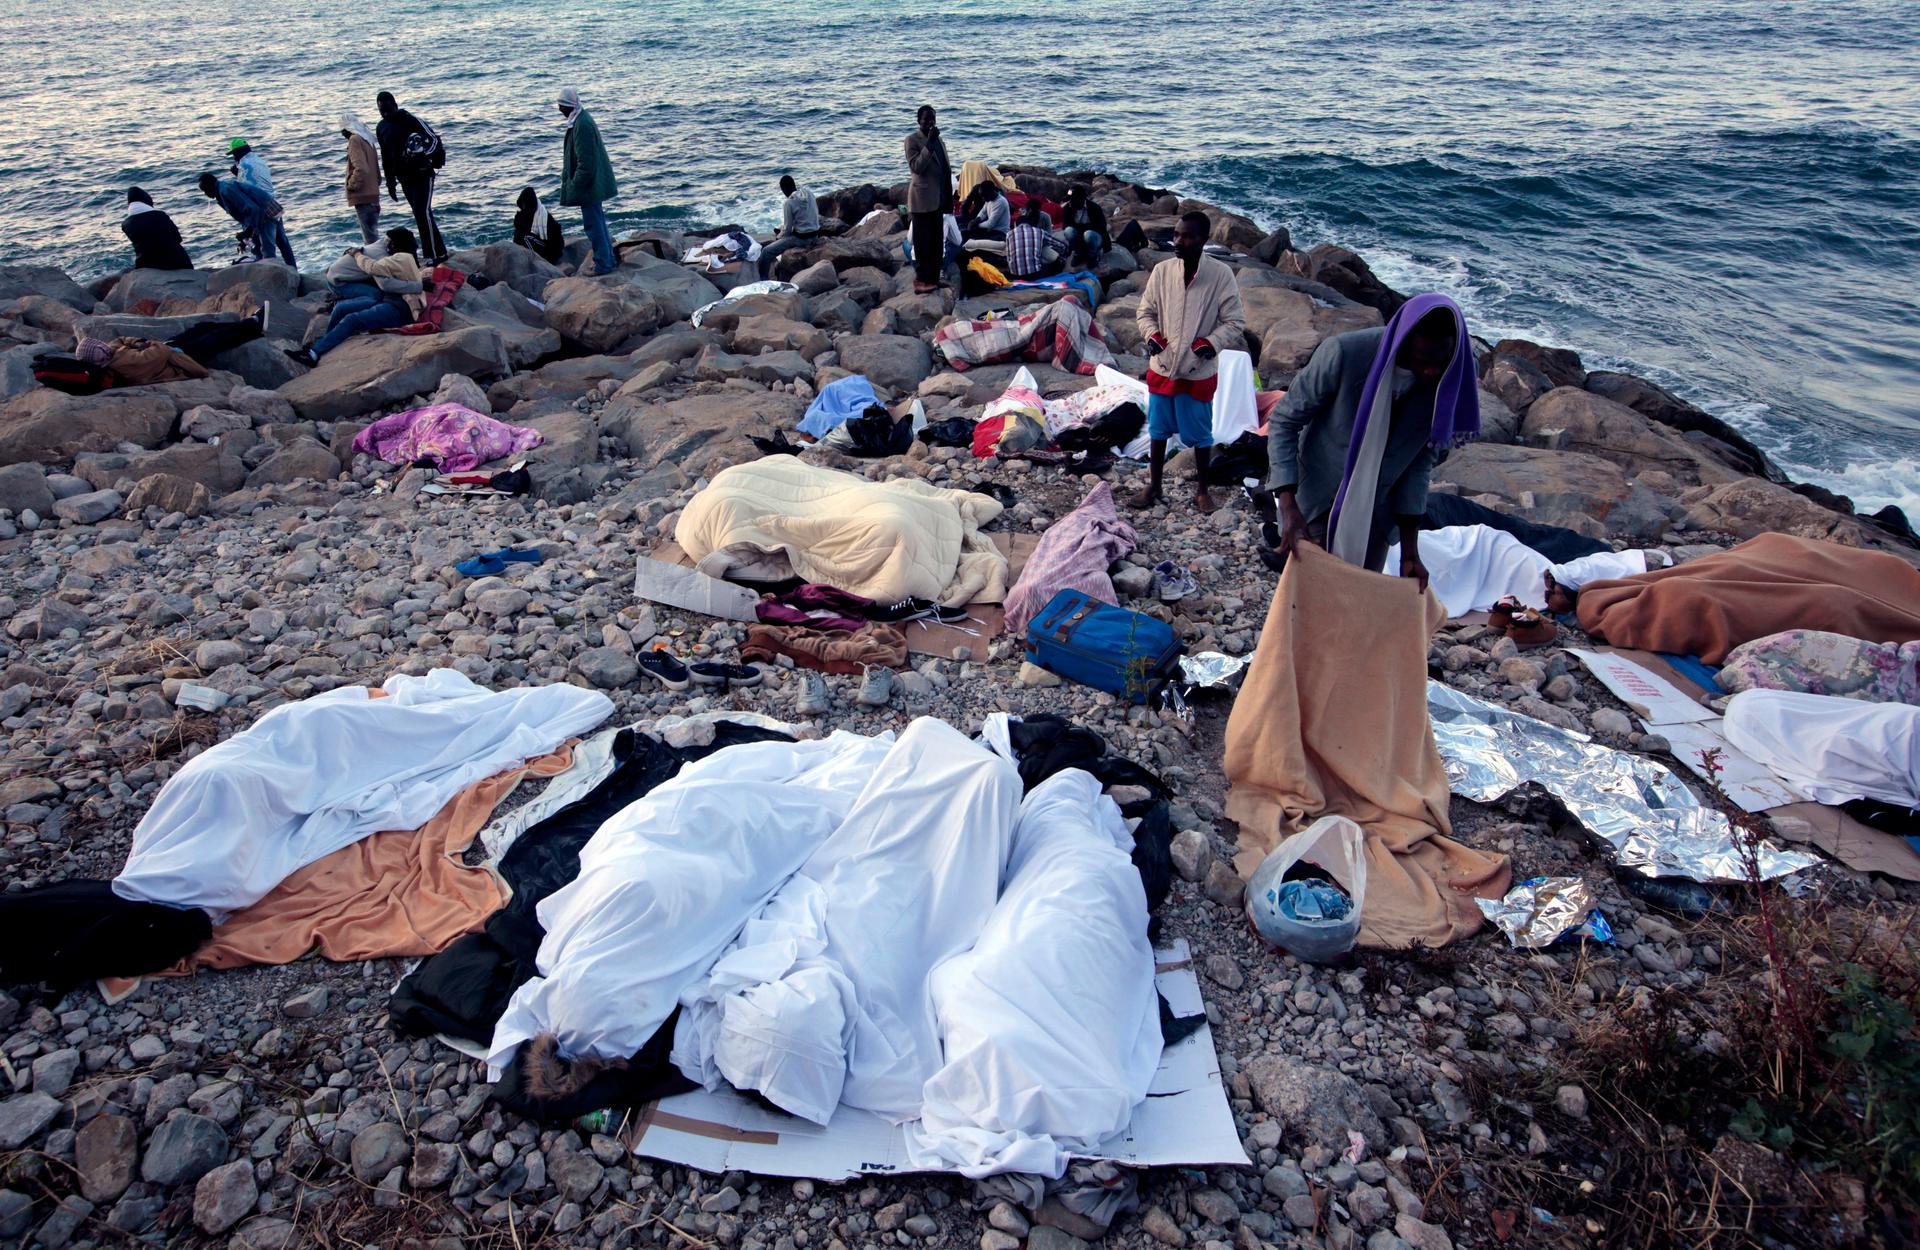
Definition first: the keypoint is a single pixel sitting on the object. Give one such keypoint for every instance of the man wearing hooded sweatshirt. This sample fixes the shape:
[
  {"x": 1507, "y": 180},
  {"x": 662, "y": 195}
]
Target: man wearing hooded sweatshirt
[
  {"x": 586, "y": 177},
  {"x": 1353, "y": 444},
  {"x": 363, "y": 175},
  {"x": 1189, "y": 312},
  {"x": 394, "y": 293},
  {"x": 412, "y": 154},
  {"x": 251, "y": 168},
  {"x": 155, "y": 239},
  {"x": 254, "y": 209}
]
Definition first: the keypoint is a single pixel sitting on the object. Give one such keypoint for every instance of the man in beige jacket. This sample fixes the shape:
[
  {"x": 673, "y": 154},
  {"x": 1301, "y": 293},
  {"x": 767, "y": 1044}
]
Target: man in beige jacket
[
  {"x": 929, "y": 198},
  {"x": 363, "y": 175},
  {"x": 1189, "y": 312}
]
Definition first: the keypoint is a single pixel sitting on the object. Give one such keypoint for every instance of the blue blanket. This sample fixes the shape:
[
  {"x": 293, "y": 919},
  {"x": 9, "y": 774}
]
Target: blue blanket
[{"x": 836, "y": 404}]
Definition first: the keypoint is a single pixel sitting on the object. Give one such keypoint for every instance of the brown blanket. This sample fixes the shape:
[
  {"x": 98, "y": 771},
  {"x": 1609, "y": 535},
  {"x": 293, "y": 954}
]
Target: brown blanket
[
  {"x": 1332, "y": 718},
  {"x": 1709, "y": 606}
]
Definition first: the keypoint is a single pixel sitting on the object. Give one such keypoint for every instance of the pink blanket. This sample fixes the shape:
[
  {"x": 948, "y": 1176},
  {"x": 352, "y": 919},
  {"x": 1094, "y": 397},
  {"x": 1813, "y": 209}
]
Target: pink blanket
[
  {"x": 1073, "y": 554},
  {"x": 453, "y": 436}
]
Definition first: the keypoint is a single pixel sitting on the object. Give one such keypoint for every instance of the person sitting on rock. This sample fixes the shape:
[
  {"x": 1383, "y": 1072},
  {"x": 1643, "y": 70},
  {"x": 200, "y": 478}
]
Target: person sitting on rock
[
  {"x": 1086, "y": 225},
  {"x": 537, "y": 229},
  {"x": 254, "y": 209},
  {"x": 1352, "y": 446},
  {"x": 392, "y": 271},
  {"x": 799, "y": 222},
  {"x": 155, "y": 239},
  {"x": 1030, "y": 249},
  {"x": 992, "y": 219},
  {"x": 1189, "y": 312}
]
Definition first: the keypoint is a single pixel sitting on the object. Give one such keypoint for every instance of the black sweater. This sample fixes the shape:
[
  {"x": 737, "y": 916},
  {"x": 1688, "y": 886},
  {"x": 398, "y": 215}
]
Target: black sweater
[{"x": 156, "y": 241}]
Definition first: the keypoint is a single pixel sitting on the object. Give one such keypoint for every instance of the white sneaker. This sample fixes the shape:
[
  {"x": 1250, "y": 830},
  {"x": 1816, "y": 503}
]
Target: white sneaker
[
  {"x": 812, "y": 698},
  {"x": 876, "y": 687}
]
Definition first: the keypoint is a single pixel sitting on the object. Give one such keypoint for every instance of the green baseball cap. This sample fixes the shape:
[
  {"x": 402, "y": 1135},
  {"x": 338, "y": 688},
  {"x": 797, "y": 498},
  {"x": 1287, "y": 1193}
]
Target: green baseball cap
[{"x": 234, "y": 145}]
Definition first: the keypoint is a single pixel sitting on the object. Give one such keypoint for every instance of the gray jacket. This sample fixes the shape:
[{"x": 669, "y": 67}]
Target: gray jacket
[
  {"x": 931, "y": 190},
  {"x": 1308, "y": 433}
]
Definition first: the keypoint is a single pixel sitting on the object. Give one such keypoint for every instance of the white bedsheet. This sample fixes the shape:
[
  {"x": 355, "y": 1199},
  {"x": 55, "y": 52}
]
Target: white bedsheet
[
  {"x": 1235, "y": 410},
  {"x": 311, "y": 777},
  {"x": 1051, "y": 1022},
  {"x": 1832, "y": 750},
  {"x": 1473, "y": 567},
  {"x": 666, "y": 884},
  {"x": 825, "y": 999}
]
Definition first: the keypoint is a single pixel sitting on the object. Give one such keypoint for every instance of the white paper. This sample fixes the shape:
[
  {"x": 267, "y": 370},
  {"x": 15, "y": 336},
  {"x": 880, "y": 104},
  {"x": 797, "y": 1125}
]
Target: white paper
[
  {"x": 1747, "y": 782},
  {"x": 678, "y": 586},
  {"x": 1656, "y": 700},
  {"x": 1184, "y": 1121}
]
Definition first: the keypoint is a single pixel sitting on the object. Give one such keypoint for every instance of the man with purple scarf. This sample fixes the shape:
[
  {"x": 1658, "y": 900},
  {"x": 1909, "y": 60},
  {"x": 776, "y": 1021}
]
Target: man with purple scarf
[{"x": 1353, "y": 444}]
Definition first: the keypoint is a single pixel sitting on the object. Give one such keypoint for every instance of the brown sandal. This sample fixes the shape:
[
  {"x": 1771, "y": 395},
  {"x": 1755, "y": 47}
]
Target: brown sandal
[
  {"x": 1500, "y": 617},
  {"x": 1530, "y": 629}
]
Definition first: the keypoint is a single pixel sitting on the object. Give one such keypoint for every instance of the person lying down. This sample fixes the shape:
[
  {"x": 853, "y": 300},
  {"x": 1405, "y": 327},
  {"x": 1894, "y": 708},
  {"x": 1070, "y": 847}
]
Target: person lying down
[{"x": 1474, "y": 567}]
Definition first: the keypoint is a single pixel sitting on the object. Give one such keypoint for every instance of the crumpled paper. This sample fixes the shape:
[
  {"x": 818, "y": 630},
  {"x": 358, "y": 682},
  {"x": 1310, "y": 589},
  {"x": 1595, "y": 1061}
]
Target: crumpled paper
[
  {"x": 1654, "y": 824},
  {"x": 1539, "y": 912}
]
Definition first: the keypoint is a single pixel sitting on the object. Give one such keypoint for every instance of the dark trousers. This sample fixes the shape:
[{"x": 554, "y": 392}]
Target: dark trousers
[
  {"x": 929, "y": 245},
  {"x": 419, "y": 192}
]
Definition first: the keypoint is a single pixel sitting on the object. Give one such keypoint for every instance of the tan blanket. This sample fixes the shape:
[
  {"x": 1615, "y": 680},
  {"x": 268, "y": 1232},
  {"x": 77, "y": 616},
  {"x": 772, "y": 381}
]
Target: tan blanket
[
  {"x": 1332, "y": 719},
  {"x": 1775, "y": 582}
]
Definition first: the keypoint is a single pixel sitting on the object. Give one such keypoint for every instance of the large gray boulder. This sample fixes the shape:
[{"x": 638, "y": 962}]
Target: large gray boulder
[
  {"x": 23, "y": 487},
  {"x": 700, "y": 433},
  {"x": 139, "y": 288},
  {"x": 1749, "y": 506},
  {"x": 508, "y": 264},
  {"x": 212, "y": 466},
  {"x": 778, "y": 334},
  {"x": 560, "y": 380},
  {"x": 263, "y": 280},
  {"x": 1290, "y": 323},
  {"x": 848, "y": 254},
  {"x": 1569, "y": 419},
  {"x": 120, "y": 324},
  {"x": 19, "y": 280},
  {"x": 600, "y": 314},
  {"x": 715, "y": 365},
  {"x": 301, "y": 458},
  {"x": 521, "y": 324},
  {"x": 371, "y": 372},
  {"x": 680, "y": 342},
  {"x": 261, "y": 364},
  {"x": 48, "y": 426},
  {"x": 1573, "y": 489},
  {"x": 677, "y": 289},
  {"x": 17, "y": 365},
  {"x": 791, "y": 305},
  {"x": 894, "y": 361}
]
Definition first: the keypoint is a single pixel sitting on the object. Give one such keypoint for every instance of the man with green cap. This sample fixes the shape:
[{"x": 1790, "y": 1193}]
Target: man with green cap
[
  {"x": 586, "y": 177},
  {"x": 251, "y": 168}
]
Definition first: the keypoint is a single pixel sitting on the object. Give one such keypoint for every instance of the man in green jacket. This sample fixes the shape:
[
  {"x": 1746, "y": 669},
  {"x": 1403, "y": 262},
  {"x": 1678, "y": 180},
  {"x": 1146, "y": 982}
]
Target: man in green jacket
[{"x": 586, "y": 178}]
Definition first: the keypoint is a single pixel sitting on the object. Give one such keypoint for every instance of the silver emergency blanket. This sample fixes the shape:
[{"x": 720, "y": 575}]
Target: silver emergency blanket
[
  {"x": 1655, "y": 825},
  {"x": 1212, "y": 670},
  {"x": 1538, "y": 913}
]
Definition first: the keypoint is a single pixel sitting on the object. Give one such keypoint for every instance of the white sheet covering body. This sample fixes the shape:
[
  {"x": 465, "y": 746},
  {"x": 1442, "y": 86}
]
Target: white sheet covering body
[
  {"x": 1473, "y": 567},
  {"x": 1051, "y": 1023},
  {"x": 825, "y": 999},
  {"x": 1832, "y": 750},
  {"x": 668, "y": 882},
  {"x": 311, "y": 777},
  {"x": 1235, "y": 410}
]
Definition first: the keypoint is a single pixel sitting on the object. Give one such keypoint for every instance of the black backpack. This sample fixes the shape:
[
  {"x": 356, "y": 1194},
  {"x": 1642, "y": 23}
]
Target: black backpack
[{"x": 425, "y": 149}]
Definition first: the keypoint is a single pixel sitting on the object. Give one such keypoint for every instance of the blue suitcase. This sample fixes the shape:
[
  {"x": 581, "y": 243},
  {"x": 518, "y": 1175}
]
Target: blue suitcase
[{"x": 1094, "y": 643}]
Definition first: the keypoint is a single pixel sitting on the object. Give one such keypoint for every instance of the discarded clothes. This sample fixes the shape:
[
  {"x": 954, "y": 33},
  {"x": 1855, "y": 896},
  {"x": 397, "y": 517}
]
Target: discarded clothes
[
  {"x": 868, "y": 646},
  {"x": 838, "y": 401},
  {"x": 65, "y": 934},
  {"x": 1655, "y": 826},
  {"x": 1473, "y": 567},
  {"x": 1775, "y": 582},
  {"x": 1812, "y": 661},
  {"x": 778, "y": 517},
  {"x": 1833, "y": 750},
  {"x": 1073, "y": 554},
  {"x": 1050, "y": 1025},
  {"x": 1062, "y": 334},
  {"x": 1329, "y": 722},
  {"x": 244, "y": 815},
  {"x": 453, "y": 437},
  {"x": 824, "y": 998},
  {"x": 668, "y": 882}
]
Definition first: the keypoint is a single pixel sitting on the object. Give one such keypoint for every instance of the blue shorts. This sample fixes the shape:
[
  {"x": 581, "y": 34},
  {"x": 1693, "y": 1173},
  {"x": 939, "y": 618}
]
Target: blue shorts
[{"x": 1191, "y": 418}]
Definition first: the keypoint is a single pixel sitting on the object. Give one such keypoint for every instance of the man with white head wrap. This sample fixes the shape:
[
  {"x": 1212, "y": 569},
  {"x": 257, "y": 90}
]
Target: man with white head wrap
[
  {"x": 586, "y": 177},
  {"x": 363, "y": 175}
]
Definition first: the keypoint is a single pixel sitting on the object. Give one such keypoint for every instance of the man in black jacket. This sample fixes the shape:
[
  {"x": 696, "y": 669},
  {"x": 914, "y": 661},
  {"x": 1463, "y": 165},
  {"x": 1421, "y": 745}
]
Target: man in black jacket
[
  {"x": 155, "y": 239},
  {"x": 411, "y": 154},
  {"x": 1086, "y": 225}
]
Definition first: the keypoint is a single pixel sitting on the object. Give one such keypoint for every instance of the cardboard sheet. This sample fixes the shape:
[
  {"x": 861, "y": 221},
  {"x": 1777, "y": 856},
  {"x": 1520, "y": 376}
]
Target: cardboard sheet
[
  {"x": 1858, "y": 846},
  {"x": 1185, "y": 1119},
  {"x": 988, "y": 620},
  {"x": 1744, "y": 780},
  {"x": 1657, "y": 701}
]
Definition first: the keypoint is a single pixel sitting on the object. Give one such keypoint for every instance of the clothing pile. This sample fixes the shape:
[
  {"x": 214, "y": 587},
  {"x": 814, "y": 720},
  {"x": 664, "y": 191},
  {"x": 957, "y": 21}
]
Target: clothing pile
[
  {"x": 1062, "y": 334},
  {"x": 1074, "y": 554},
  {"x": 1474, "y": 567},
  {"x": 731, "y": 248},
  {"x": 450, "y": 437}
]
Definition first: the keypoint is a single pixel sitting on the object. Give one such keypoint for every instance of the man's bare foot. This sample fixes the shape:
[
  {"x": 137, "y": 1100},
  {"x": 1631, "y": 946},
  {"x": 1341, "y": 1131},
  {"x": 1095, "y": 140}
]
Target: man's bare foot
[
  {"x": 923, "y": 288},
  {"x": 1144, "y": 500},
  {"x": 1203, "y": 501}
]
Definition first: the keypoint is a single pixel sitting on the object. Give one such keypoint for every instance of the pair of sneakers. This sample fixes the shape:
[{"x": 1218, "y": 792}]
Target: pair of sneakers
[
  {"x": 670, "y": 671},
  {"x": 814, "y": 699}
]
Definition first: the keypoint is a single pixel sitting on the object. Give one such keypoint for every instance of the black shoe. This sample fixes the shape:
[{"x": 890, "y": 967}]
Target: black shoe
[
  {"x": 665, "y": 669},
  {"x": 302, "y": 356},
  {"x": 713, "y": 673}
]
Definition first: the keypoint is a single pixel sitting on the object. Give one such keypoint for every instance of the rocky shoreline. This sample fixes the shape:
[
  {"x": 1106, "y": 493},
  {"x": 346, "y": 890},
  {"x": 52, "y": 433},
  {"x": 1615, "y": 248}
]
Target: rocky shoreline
[{"x": 221, "y": 532}]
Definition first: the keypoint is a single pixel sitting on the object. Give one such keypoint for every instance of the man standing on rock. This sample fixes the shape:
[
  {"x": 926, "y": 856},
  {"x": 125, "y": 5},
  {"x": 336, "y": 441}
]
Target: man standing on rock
[
  {"x": 1188, "y": 313},
  {"x": 799, "y": 223},
  {"x": 412, "y": 154},
  {"x": 251, "y": 168},
  {"x": 929, "y": 198},
  {"x": 1353, "y": 444},
  {"x": 586, "y": 178}
]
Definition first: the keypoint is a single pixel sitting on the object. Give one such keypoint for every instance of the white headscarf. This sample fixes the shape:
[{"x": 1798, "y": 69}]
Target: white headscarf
[
  {"x": 354, "y": 126},
  {"x": 570, "y": 100}
]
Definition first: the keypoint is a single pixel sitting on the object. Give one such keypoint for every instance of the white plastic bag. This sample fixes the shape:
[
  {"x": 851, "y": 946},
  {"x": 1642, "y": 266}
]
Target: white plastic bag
[{"x": 1334, "y": 844}]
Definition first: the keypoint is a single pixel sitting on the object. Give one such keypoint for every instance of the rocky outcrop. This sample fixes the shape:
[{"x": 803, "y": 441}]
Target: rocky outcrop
[
  {"x": 715, "y": 365},
  {"x": 19, "y": 280},
  {"x": 754, "y": 335},
  {"x": 1656, "y": 403},
  {"x": 507, "y": 264},
  {"x": 599, "y": 314},
  {"x": 301, "y": 458},
  {"x": 891, "y": 361},
  {"x": 700, "y": 433},
  {"x": 1289, "y": 324},
  {"x": 1346, "y": 273},
  {"x": 1747, "y": 506},
  {"x": 371, "y": 372},
  {"x": 521, "y": 324},
  {"x": 561, "y": 380},
  {"x": 144, "y": 289},
  {"x": 1577, "y": 490},
  {"x": 211, "y": 466},
  {"x": 169, "y": 493},
  {"x": 1569, "y": 419},
  {"x": 1558, "y": 365},
  {"x": 675, "y": 288},
  {"x": 48, "y": 426}
]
